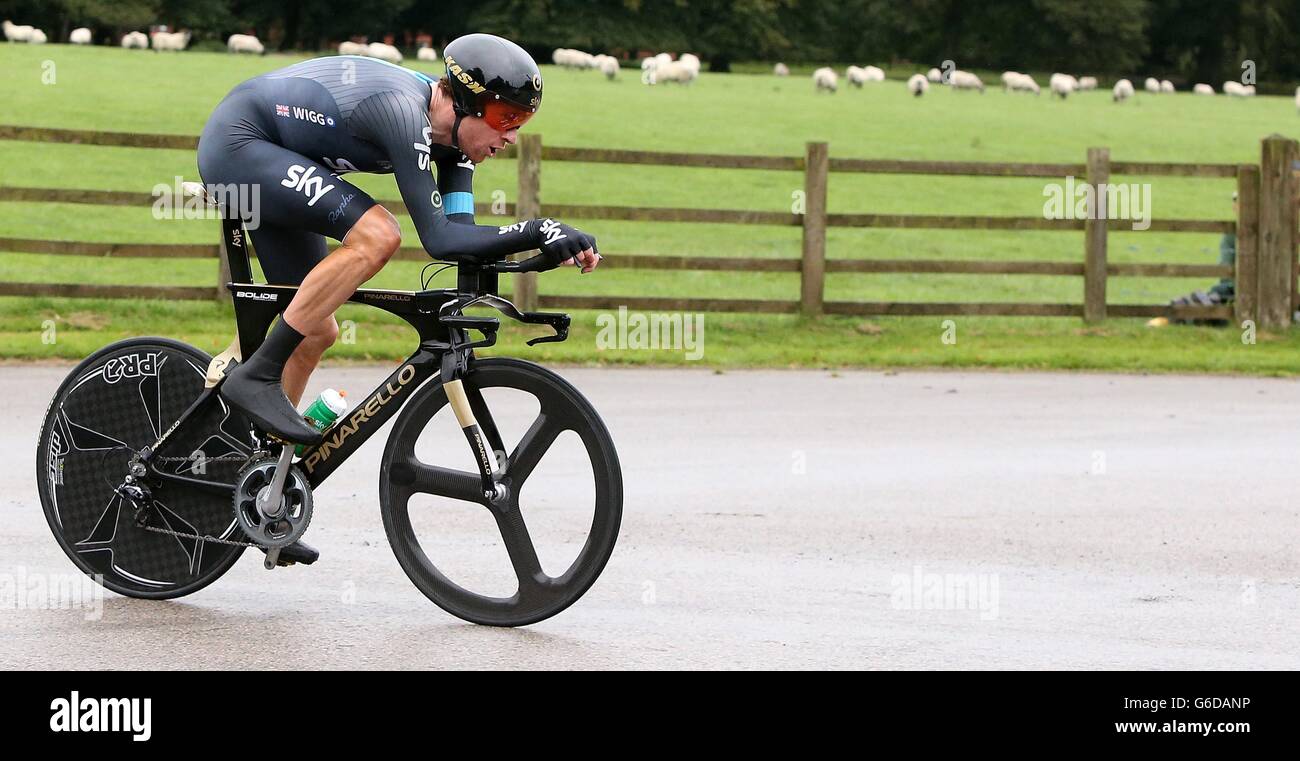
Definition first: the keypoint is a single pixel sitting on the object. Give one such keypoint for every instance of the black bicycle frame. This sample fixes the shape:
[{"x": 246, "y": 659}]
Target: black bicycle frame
[{"x": 444, "y": 348}]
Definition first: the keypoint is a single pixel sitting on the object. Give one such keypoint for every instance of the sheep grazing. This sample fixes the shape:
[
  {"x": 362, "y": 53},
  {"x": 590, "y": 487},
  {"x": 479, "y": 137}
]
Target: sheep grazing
[
  {"x": 856, "y": 75},
  {"x": 1234, "y": 89},
  {"x": 1166, "y": 86},
  {"x": 918, "y": 85},
  {"x": 1248, "y": 91},
  {"x": 352, "y": 48},
  {"x": 1087, "y": 83},
  {"x": 663, "y": 59},
  {"x": 964, "y": 80},
  {"x": 1122, "y": 91},
  {"x": 781, "y": 70},
  {"x": 1016, "y": 82},
  {"x": 426, "y": 53},
  {"x": 692, "y": 62},
  {"x": 875, "y": 74},
  {"x": 934, "y": 75},
  {"x": 17, "y": 32},
  {"x": 1151, "y": 85},
  {"x": 1062, "y": 85},
  {"x": 825, "y": 79},
  {"x": 245, "y": 43},
  {"x": 170, "y": 40},
  {"x": 37, "y": 38},
  {"x": 572, "y": 59},
  {"x": 80, "y": 36},
  {"x": 136, "y": 40},
  {"x": 384, "y": 52},
  {"x": 1202, "y": 89},
  {"x": 608, "y": 66}
]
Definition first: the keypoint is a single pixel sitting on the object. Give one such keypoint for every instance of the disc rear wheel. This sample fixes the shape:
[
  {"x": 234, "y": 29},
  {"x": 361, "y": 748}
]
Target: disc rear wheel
[{"x": 114, "y": 404}]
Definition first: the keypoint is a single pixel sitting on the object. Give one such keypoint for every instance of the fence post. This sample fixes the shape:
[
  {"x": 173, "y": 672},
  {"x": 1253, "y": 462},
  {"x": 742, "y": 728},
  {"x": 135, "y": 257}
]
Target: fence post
[
  {"x": 1277, "y": 232},
  {"x": 528, "y": 205},
  {"x": 1246, "y": 278},
  {"x": 1094, "y": 237},
  {"x": 812, "y": 272}
]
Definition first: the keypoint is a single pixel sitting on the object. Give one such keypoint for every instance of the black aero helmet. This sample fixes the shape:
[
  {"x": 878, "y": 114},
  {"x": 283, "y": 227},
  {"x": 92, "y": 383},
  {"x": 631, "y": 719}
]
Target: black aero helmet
[{"x": 492, "y": 78}]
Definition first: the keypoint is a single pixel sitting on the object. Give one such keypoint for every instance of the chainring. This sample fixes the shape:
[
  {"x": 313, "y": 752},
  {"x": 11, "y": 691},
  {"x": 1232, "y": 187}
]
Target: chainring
[{"x": 288, "y": 521}]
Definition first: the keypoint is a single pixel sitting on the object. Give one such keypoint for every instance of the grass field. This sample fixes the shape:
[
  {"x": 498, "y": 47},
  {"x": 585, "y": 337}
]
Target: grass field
[{"x": 110, "y": 89}]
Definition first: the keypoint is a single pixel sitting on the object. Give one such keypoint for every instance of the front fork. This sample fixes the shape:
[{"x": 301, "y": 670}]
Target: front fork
[{"x": 482, "y": 435}]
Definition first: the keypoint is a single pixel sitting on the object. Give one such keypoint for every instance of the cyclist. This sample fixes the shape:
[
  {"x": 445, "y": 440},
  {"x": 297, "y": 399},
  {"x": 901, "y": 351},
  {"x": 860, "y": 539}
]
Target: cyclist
[{"x": 291, "y": 135}]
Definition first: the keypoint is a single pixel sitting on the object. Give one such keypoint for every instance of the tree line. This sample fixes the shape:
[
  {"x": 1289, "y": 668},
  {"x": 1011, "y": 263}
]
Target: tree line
[{"x": 1188, "y": 40}]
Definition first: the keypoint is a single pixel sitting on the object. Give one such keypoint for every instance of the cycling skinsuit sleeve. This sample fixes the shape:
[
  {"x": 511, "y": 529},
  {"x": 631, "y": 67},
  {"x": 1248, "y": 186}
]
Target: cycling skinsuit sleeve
[{"x": 399, "y": 125}]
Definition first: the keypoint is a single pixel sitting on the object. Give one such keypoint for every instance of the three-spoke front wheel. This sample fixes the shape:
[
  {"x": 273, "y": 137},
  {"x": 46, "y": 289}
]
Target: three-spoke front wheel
[{"x": 559, "y": 509}]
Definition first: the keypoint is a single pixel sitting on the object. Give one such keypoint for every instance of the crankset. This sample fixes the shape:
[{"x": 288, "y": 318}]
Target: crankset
[{"x": 273, "y": 502}]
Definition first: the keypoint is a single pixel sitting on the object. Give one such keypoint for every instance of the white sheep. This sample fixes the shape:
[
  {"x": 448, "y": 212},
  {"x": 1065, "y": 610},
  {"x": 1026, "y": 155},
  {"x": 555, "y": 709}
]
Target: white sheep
[
  {"x": 1248, "y": 91},
  {"x": 17, "y": 32},
  {"x": 918, "y": 85},
  {"x": 934, "y": 75},
  {"x": 384, "y": 52},
  {"x": 80, "y": 36},
  {"x": 1151, "y": 85},
  {"x": 37, "y": 38},
  {"x": 1062, "y": 85},
  {"x": 856, "y": 75},
  {"x": 1087, "y": 83},
  {"x": 1017, "y": 82},
  {"x": 245, "y": 43},
  {"x": 1202, "y": 89},
  {"x": 1234, "y": 88},
  {"x": 136, "y": 40},
  {"x": 673, "y": 71},
  {"x": 648, "y": 64},
  {"x": 874, "y": 74},
  {"x": 781, "y": 70},
  {"x": 663, "y": 59},
  {"x": 1122, "y": 91},
  {"x": 1166, "y": 86},
  {"x": 170, "y": 40},
  {"x": 347, "y": 47},
  {"x": 690, "y": 61},
  {"x": 825, "y": 79},
  {"x": 609, "y": 66},
  {"x": 964, "y": 80},
  {"x": 426, "y": 53}
]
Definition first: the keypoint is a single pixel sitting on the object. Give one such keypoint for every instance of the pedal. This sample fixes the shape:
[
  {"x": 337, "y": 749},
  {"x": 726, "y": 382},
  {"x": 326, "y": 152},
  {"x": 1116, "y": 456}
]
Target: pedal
[{"x": 272, "y": 555}]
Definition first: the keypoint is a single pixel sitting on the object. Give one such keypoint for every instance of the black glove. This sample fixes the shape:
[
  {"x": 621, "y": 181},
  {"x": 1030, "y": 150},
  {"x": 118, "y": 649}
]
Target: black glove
[{"x": 558, "y": 241}]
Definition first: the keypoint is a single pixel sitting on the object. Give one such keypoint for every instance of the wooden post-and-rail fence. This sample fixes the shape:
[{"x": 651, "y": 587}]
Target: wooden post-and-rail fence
[{"x": 1265, "y": 271}]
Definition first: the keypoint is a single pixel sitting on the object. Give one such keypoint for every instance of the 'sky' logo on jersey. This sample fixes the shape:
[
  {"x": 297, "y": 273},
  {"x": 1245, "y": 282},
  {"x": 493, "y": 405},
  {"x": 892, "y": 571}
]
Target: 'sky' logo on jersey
[
  {"x": 425, "y": 149},
  {"x": 302, "y": 180}
]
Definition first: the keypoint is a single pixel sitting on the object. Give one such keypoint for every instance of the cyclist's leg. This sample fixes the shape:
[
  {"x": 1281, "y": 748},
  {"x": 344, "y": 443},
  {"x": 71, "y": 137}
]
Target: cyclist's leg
[
  {"x": 292, "y": 192},
  {"x": 287, "y": 256}
]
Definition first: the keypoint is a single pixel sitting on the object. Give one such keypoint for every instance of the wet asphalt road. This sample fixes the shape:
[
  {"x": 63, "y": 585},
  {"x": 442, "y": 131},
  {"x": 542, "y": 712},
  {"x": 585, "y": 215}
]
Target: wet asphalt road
[{"x": 784, "y": 520}]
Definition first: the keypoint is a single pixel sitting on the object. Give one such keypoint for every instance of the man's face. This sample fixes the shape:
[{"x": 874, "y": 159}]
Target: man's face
[{"x": 481, "y": 142}]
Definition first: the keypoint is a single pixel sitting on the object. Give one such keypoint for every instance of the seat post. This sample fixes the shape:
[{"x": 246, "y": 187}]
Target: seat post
[{"x": 234, "y": 249}]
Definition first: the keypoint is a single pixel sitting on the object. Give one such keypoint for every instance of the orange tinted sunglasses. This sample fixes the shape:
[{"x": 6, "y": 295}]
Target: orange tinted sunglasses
[{"x": 503, "y": 116}]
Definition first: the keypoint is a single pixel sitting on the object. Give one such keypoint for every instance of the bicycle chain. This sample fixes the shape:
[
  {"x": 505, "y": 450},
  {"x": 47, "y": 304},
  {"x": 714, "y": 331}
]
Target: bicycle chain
[
  {"x": 183, "y": 535},
  {"x": 196, "y": 537}
]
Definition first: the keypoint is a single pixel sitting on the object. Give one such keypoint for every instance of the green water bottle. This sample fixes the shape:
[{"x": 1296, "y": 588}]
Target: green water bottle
[{"x": 322, "y": 413}]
